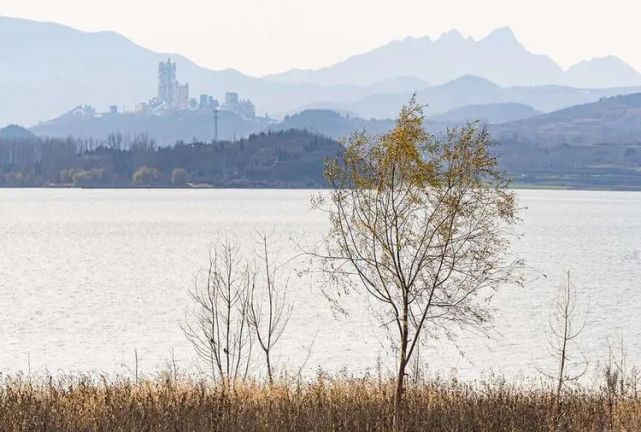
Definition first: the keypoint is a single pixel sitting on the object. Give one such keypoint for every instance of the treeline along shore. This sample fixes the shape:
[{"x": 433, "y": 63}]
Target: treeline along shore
[
  {"x": 284, "y": 159},
  {"x": 292, "y": 158}
]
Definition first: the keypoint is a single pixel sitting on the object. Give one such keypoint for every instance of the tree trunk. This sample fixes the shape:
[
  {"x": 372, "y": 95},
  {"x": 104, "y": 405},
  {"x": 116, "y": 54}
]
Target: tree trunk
[
  {"x": 402, "y": 363},
  {"x": 398, "y": 397},
  {"x": 269, "y": 368}
]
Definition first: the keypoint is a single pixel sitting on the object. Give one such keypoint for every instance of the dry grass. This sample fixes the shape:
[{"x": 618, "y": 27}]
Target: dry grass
[{"x": 86, "y": 404}]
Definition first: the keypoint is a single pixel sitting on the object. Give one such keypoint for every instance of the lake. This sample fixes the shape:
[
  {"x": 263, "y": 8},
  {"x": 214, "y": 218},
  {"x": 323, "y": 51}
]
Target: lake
[{"x": 87, "y": 276}]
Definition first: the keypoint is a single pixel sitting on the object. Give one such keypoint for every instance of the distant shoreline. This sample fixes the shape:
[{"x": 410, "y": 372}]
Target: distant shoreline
[{"x": 514, "y": 186}]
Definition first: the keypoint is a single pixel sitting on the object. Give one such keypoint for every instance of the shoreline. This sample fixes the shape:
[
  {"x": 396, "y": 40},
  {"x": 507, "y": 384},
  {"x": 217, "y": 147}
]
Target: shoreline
[{"x": 515, "y": 186}]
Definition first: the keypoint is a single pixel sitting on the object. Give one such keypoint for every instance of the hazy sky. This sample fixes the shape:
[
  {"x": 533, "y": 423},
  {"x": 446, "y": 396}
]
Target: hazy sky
[{"x": 266, "y": 36}]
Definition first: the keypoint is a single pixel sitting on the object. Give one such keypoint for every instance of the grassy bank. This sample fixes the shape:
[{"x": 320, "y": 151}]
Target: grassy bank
[{"x": 86, "y": 404}]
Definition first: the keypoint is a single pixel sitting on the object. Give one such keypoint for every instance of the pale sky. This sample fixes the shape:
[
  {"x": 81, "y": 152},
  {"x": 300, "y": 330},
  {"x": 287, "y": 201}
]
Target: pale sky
[{"x": 266, "y": 36}]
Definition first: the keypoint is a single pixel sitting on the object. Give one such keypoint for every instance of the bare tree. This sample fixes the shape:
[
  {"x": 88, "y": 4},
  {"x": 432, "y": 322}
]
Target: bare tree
[
  {"x": 421, "y": 225},
  {"x": 218, "y": 327},
  {"x": 564, "y": 327},
  {"x": 269, "y": 308}
]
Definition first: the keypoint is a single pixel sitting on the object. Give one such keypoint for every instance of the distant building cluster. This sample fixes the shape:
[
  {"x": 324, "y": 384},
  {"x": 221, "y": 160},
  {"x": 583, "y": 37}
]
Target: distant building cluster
[
  {"x": 233, "y": 103},
  {"x": 83, "y": 111},
  {"x": 208, "y": 103},
  {"x": 174, "y": 96}
]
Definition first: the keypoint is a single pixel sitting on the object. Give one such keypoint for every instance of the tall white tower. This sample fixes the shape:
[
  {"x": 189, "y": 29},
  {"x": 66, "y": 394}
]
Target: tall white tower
[{"x": 166, "y": 82}]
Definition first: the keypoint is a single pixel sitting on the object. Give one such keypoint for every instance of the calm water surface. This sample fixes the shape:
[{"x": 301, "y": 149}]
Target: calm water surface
[{"x": 86, "y": 276}]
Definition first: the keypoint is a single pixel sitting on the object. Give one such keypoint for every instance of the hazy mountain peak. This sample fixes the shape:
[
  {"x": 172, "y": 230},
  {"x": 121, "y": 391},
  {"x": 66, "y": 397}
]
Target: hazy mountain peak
[
  {"x": 12, "y": 132},
  {"x": 606, "y": 61},
  {"x": 602, "y": 72},
  {"x": 498, "y": 57},
  {"x": 503, "y": 35},
  {"x": 451, "y": 36},
  {"x": 472, "y": 81}
]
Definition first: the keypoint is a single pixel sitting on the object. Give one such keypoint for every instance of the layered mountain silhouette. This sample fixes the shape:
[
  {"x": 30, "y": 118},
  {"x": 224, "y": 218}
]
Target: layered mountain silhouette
[
  {"x": 602, "y": 72},
  {"x": 615, "y": 120},
  {"x": 487, "y": 113},
  {"x": 609, "y": 121},
  {"x": 474, "y": 90},
  {"x": 499, "y": 57},
  {"x": 47, "y": 69}
]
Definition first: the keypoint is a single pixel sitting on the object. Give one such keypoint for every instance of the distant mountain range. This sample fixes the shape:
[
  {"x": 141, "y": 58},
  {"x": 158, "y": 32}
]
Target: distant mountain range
[
  {"x": 612, "y": 121},
  {"x": 473, "y": 90},
  {"x": 47, "y": 69},
  {"x": 498, "y": 57},
  {"x": 615, "y": 120}
]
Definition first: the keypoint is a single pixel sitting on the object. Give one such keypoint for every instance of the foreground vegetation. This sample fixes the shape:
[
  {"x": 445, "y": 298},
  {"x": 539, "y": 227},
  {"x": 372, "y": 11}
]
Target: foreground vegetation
[
  {"x": 164, "y": 404},
  {"x": 420, "y": 228}
]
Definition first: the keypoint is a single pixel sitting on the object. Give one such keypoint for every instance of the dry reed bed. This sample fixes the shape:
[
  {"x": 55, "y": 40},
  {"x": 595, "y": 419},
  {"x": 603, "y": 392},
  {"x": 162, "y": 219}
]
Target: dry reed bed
[{"x": 86, "y": 404}]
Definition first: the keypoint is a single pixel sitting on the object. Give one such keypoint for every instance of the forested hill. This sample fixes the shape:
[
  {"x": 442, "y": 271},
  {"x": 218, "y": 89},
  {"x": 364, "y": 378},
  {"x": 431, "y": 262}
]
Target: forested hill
[
  {"x": 614, "y": 120},
  {"x": 13, "y": 132},
  {"x": 284, "y": 159}
]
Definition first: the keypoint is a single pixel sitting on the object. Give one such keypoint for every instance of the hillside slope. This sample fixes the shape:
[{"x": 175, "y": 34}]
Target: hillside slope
[
  {"x": 487, "y": 113},
  {"x": 614, "y": 120}
]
